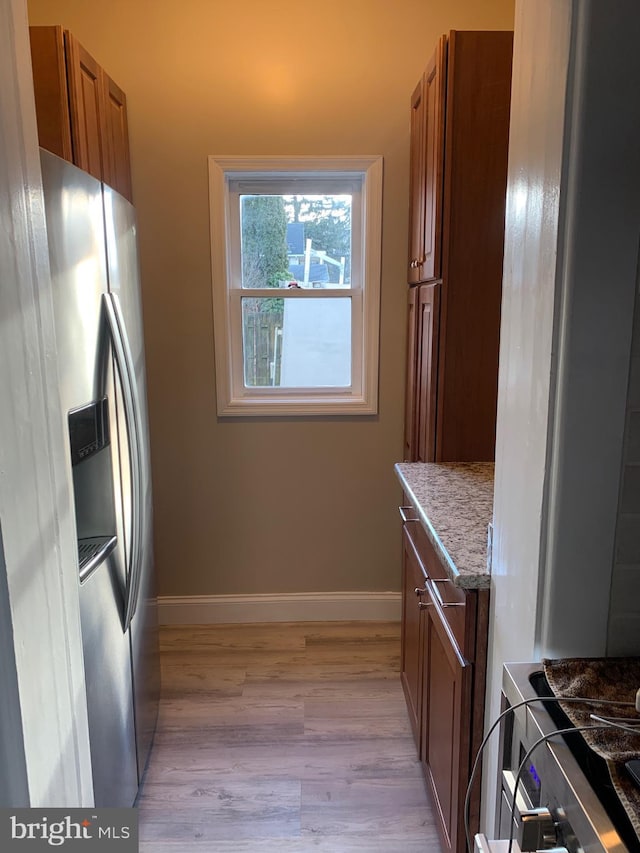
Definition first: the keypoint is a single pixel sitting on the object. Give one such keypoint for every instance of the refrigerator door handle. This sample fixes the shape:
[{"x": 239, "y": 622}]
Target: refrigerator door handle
[{"x": 126, "y": 372}]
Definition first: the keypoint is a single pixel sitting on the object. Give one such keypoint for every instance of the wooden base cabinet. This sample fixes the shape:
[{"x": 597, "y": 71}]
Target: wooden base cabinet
[
  {"x": 458, "y": 174},
  {"x": 81, "y": 112},
  {"x": 443, "y": 670}
]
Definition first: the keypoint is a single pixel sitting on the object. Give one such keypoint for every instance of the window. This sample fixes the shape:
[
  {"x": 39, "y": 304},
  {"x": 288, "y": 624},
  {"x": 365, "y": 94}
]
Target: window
[{"x": 295, "y": 248}]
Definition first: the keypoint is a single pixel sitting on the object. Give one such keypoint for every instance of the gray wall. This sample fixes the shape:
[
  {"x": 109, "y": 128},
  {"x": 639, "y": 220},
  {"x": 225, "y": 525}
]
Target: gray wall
[
  {"x": 264, "y": 505},
  {"x": 596, "y": 288},
  {"x": 559, "y": 585}
]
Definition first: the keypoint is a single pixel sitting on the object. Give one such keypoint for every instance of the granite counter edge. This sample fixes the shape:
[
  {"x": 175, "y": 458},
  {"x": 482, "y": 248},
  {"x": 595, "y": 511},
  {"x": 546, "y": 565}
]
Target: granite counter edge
[{"x": 470, "y": 580}]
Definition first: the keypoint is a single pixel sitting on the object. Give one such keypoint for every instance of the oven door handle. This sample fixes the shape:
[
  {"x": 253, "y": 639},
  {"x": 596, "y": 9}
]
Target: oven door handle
[{"x": 523, "y": 803}]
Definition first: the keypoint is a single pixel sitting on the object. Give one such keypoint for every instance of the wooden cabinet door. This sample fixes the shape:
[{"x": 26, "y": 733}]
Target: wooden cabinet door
[
  {"x": 446, "y": 722},
  {"x": 411, "y": 649},
  {"x": 427, "y": 170},
  {"x": 434, "y": 116},
  {"x": 85, "y": 103},
  {"x": 50, "y": 90},
  {"x": 426, "y": 378},
  {"x": 416, "y": 182},
  {"x": 116, "y": 162}
]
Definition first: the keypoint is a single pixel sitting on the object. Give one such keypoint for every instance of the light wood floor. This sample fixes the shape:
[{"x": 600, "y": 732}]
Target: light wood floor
[{"x": 283, "y": 738}]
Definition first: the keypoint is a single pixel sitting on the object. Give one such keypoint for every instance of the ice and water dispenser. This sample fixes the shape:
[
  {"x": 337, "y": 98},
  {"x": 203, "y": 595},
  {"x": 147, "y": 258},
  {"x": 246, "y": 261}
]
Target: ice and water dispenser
[{"x": 90, "y": 445}]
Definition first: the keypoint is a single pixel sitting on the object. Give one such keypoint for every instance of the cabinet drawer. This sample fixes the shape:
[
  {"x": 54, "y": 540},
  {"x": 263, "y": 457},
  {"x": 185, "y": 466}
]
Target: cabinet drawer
[
  {"x": 456, "y": 606},
  {"x": 451, "y": 605}
]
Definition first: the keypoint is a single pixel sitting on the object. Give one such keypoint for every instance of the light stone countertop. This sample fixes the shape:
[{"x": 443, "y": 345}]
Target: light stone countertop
[{"x": 454, "y": 502}]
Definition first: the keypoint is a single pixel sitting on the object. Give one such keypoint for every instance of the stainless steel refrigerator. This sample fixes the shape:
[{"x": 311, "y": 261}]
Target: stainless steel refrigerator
[{"x": 93, "y": 254}]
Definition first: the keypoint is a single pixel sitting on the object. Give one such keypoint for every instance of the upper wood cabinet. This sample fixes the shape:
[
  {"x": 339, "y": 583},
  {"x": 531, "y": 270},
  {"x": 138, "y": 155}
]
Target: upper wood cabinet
[
  {"x": 84, "y": 77},
  {"x": 426, "y": 169},
  {"x": 459, "y": 148},
  {"x": 81, "y": 112},
  {"x": 116, "y": 164}
]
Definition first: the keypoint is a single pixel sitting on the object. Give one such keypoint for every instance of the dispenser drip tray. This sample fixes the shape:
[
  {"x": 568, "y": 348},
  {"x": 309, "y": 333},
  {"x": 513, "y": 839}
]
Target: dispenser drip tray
[{"x": 92, "y": 551}]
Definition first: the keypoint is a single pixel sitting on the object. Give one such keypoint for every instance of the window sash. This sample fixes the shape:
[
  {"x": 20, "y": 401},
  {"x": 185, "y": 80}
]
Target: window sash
[
  {"x": 237, "y": 344},
  {"x": 279, "y": 187}
]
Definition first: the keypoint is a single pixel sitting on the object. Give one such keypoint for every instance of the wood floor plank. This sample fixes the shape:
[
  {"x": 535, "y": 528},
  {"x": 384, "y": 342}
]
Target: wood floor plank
[
  {"x": 303, "y": 757},
  {"x": 284, "y": 737},
  {"x": 361, "y": 689},
  {"x": 190, "y": 679},
  {"x": 202, "y": 711},
  {"x": 388, "y": 843},
  {"x": 224, "y": 808},
  {"x": 362, "y": 806}
]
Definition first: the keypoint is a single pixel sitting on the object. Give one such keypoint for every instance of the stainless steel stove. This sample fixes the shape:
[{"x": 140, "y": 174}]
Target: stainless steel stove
[{"x": 565, "y": 800}]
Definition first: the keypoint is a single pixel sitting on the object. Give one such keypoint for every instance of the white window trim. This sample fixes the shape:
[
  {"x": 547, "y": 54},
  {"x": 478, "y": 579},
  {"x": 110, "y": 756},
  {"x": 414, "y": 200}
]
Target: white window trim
[{"x": 235, "y": 399}]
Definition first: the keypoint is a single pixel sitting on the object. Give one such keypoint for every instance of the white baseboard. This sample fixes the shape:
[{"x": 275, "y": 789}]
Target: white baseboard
[{"x": 286, "y": 607}]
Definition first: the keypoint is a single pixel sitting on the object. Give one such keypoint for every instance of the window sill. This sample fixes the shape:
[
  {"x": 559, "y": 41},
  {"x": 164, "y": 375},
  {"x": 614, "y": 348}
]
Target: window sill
[{"x": 275, "y": 406}]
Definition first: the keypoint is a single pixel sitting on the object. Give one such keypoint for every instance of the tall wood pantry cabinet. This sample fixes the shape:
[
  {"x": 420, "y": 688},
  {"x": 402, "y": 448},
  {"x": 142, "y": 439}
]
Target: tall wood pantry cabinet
[
  {"x": 81, "y": 111},
  {"x": 459, "y": 143}
]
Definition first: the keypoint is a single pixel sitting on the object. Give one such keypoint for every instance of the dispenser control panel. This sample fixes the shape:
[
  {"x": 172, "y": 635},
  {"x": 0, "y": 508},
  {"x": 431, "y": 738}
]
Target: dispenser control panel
[{"x": 88, "y": 429}]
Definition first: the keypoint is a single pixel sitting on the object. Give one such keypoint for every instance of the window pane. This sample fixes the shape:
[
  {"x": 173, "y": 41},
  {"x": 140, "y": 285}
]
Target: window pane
[
  {"x": 297, "y": 343},
  {"x": 296, "y": 240}
]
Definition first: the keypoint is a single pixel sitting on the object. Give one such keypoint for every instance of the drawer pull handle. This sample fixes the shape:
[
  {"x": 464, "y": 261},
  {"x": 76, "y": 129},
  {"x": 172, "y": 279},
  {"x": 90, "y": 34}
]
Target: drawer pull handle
[
  {"x": 424, "y": 604},
  {"x": 439, "y": 597},
  {"x": 403, "y": 510},
  {"x": 436, "y": 592},
  {"x": 419, "y": 591}
]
